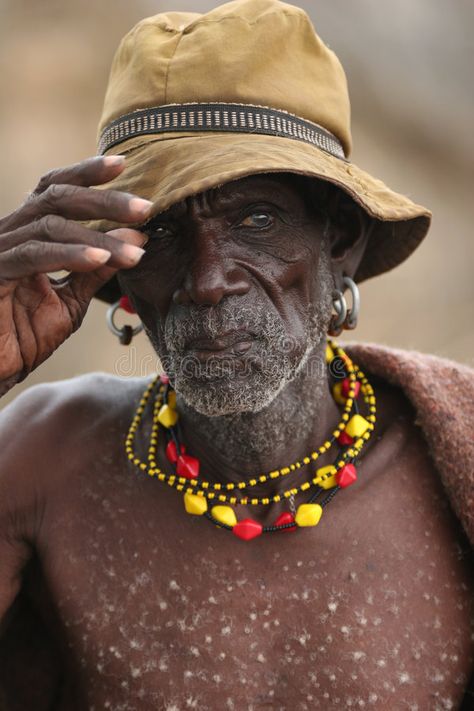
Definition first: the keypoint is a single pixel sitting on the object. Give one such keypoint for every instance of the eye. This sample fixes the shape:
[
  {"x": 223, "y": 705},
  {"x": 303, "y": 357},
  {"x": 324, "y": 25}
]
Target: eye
[
  {"x": 160, "y": 232},
  {"x": 257, "y": 219}
]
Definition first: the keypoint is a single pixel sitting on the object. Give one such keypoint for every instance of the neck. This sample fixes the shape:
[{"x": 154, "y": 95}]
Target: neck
[{"x": 235, "y": 447}]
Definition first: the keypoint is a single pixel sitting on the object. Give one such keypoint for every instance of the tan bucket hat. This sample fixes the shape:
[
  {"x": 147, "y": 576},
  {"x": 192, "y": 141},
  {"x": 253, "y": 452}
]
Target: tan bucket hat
[{"x": 195, "y": 101}]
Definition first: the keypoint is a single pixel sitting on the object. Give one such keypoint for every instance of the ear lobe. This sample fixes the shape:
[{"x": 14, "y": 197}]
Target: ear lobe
[{"x": 349, "y": 231}]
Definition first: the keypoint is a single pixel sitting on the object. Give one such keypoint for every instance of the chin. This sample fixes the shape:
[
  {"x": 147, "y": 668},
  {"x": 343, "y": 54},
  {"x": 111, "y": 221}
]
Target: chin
[
  {"x": 218, "y": 399},
  {"x": 238, "y": 390}
]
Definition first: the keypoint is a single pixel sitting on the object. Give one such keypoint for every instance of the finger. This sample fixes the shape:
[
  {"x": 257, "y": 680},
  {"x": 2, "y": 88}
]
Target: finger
[
  {"x": 77, "y": 203},
  {"x": 91, "y": 171},
  {"x": 127, "y": 234},
  {"x": 40, "y": 258},
  {"x": 125, "y": 251},
  {"x": 85, "y": 286}
]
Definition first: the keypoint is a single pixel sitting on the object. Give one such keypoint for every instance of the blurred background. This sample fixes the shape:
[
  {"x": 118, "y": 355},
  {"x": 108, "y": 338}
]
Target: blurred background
[{"x": 409, "y": 66}]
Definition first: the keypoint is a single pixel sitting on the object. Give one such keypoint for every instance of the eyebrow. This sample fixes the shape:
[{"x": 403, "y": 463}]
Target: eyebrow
[{"x": 225, "y": 195}]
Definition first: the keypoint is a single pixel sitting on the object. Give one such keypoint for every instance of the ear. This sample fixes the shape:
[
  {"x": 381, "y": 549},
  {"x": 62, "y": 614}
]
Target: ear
[{"x": 349, "y": 230}]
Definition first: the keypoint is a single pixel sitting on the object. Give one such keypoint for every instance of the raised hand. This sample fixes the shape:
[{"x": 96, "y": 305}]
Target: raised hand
[{"x": 37, "y": 312}]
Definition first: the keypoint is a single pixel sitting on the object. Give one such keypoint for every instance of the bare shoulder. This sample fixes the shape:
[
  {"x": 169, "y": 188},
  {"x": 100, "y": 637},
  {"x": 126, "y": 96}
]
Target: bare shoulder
[
  {"x": 93, "y": 394},
  {"x": 50, "y": 424}
]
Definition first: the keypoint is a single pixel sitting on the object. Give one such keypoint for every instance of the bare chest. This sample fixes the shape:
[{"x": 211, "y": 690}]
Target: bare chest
[{"x": 159, "y": 610}]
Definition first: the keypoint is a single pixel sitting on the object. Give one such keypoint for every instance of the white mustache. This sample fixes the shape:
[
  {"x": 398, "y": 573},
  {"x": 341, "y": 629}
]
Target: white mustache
[{"x": 210, "y": 322}]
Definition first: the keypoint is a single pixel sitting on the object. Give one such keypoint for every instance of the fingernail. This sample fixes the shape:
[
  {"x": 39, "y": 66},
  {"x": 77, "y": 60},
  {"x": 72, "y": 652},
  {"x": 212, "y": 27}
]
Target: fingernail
[
  {"x": 133, "y": 253},
  {"x": 97, "y": 255},
  {"x": 140, "y": 205},
  {"x": 113, "y": 160},
  {"x": 123, "y": 233}
]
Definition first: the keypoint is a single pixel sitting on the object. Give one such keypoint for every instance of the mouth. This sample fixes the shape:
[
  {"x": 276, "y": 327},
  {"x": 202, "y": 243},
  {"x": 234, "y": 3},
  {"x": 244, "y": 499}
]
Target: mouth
[{"x": 233, "y": 343}]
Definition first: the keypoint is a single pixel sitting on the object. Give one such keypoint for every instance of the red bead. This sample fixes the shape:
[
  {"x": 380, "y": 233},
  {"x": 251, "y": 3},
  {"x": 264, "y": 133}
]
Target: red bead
[
  {"x": 172, "y": 452},
  {"x": 247, "y": 529},
  {"x": 346, "y": 386},
  {"x": 345, "y": 439},
  {"x": 285, "y": 517},
  {"x": 346, "y": 476},
  {"x": 125, "y": 304},
  {"x": 164, "y": 379},
  {"x": 187, "y": 466}
]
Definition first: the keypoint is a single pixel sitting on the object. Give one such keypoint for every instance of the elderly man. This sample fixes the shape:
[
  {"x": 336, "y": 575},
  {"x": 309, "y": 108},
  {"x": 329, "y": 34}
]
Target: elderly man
[{"x": 264, "y": 524}]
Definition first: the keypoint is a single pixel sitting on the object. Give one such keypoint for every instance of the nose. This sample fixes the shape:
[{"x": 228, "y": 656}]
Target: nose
[{"x": 212, "y": 275}]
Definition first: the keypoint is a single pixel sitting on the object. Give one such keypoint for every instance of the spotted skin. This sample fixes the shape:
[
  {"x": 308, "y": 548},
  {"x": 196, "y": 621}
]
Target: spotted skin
[{"x": 151, "y": 608}]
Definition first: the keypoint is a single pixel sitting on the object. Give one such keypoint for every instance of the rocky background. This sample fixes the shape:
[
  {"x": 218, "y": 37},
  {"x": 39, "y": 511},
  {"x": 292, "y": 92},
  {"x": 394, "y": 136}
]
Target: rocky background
[{"x": 409, "y": 66}]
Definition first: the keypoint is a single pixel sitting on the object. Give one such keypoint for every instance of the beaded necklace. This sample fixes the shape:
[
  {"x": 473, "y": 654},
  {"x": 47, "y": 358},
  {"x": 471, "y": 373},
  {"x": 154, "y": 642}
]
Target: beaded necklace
[{"x": 350, "y": 435}]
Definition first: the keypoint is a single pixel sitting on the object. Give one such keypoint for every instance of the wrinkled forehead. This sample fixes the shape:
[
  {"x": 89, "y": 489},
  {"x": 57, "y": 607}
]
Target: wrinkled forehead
[{"x": 294, "y": 192}]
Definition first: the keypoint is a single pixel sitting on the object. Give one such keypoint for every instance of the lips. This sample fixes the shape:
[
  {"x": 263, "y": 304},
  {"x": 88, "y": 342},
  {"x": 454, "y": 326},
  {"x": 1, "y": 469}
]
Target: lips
[{"x": 233, "y": 342}]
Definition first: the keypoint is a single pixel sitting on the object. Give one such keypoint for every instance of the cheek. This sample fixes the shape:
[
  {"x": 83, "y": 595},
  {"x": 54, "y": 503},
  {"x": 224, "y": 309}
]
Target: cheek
[
  {"x": 301, "y": 292},
  {"x": 284, "y": 262},
  {"x": 295, "y": 280},
  {"x": 152, "y": 284}
]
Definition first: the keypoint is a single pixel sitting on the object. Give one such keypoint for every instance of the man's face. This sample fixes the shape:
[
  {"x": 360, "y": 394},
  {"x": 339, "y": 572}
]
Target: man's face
[{"x": 234, "y": 292}]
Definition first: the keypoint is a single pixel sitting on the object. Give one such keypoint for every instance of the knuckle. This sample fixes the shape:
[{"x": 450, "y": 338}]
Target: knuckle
[
  {"x": 26, "y": 253},
  {"x": 109, "y": 200},
  {"x": 57, "y": 193},
  {"x": 51, "y": 226},
  {"x": 45, "y": 181}
]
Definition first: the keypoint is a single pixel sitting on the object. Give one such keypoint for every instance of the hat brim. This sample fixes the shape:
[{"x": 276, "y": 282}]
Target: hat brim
[{"x": 168, "y": 169}]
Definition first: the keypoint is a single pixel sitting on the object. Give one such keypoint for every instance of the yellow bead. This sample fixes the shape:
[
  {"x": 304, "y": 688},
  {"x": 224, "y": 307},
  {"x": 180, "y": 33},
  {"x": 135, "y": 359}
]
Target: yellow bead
[
  {"x": 328, "y": 476},
  {"x": 337, "y": 395},
  {"x": 167, "y": 416},
  {"x": 329, "y": 353},
  {"x": 224, "y": 514},
  {"x": 356, "y": 426},
  {"x": 308, "y": 514},
  {"x": 194, "y": 504},
  {"x": 172, "y": 399}
]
